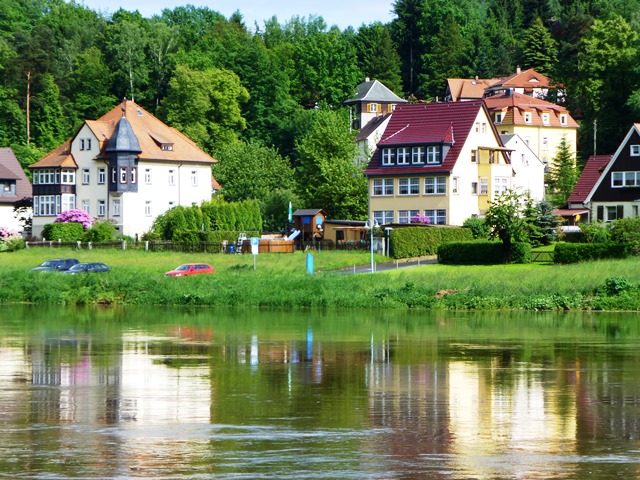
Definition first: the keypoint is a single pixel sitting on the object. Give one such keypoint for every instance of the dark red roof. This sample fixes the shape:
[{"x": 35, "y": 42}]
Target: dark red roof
[
  {"x": 427, "y": 123},
  {"x": 588, "y": 178}
]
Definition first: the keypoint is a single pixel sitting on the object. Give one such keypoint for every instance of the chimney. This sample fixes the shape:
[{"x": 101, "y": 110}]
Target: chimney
[
  {"x": 518, "y": 71},
  {"x": 367, "y": 79}
]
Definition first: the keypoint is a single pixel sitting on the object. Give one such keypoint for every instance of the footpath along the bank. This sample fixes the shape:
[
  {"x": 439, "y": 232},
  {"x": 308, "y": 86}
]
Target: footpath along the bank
[{"x": 392, "y": 265}]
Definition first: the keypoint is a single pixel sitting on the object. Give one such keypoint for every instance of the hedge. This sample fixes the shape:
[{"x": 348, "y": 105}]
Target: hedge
[
  {"x": 481, "y": 253},
  {"x": 67, "y": 232},
  {"x": 419, "y": 241},
  {"x": 580, "y": 252}
]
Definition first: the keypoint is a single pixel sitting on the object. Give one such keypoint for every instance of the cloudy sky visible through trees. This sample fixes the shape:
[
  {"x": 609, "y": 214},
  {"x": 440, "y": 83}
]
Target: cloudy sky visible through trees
[{"x": 343, "y": 13}]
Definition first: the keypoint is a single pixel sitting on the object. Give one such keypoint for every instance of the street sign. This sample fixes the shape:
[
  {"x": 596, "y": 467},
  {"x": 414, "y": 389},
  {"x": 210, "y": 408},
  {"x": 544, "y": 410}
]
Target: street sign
[{"x": 255, "y": 245}]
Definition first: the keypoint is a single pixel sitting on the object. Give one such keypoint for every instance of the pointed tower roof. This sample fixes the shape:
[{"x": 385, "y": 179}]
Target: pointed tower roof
[{"x": 123, "y": 138}]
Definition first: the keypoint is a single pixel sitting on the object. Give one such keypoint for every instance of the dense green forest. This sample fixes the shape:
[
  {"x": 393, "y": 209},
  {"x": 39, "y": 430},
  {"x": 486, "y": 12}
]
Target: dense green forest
[{"x": 266, "y": 99}]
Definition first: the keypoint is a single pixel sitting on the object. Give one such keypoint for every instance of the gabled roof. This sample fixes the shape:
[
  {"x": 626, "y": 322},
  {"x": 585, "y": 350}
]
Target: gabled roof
[
  {"x": 528, "y": 79},
  {"x": 371, "y": 126},
  {"x": 589, "y": 177},
  {"x": 304, "y": 212},
  {"x": 423, "y": 123},
  {"x": 515, "y": 104},
  {"x": 150, "y": 133},
  {"x": 10, "y": 169},
  {"x": 468, "y": 89},
  {"x": 374, "y": 91}
]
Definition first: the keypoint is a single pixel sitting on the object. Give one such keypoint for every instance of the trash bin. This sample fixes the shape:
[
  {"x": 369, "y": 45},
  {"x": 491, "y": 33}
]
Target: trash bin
[{"x": 230, "y": 249}]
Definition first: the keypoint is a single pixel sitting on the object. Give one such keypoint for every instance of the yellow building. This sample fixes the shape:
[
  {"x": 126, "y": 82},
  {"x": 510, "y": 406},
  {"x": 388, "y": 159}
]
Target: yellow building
[{"x": 444, "y": 161}]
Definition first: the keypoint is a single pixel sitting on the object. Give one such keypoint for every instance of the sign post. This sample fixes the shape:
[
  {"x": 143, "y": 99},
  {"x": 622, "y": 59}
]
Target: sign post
[{"x": 255, "y": 249}]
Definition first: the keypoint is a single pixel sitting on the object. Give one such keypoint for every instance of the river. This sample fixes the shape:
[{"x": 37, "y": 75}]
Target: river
[{"x": 263, "y": 394}]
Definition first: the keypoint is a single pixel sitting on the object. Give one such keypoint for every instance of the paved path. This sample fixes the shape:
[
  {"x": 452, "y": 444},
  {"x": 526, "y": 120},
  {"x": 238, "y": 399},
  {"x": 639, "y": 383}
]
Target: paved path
[{"x": 392, "y": 265}]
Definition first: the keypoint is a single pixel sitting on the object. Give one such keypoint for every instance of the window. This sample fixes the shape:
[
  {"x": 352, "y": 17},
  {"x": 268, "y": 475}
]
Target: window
[
  {"x": 134, "y": 174},
  {"x": 46, "y": 205},
  {"x": 147, "y": 176},
  {"x": 484, "y": 127},
  {"x": 403, "y": 156},
  {"x": 383, "y": 186},
  {"x": 436, "y": 217},
  {"x": 625, "y": 179},
  {"x": 634, "y": 211},
  {"x": 404, "y": 216},
  {"x": 545, "y": 143},
  {"x": 433, "y": 154},
  {"x": 123, "y": 174},
  {"x": 68, "y": 176},
  {"x": 68, "y": 202},
  {"x": 167, "y": 147},
  {"x": 563, "y": 119},
  {"x": 82, "y": 144},
  {"x": 545, "y": 118},
  {"x": 171, "y": 205},
  {"x": 102, "y": 208},
  {"x": 614, "y": 212},
  {"x": 474, "y": 156},
  {"x": 374, "y": 107},
  {"x": 527, "y": 140},
  {"x": 492, "y": 156},
  {"x": 88, "y": 144},
  {"x": 114, "y": 173},
  {"x": 194, "y": 178},
  {"x": 102, "y": 176},
  {"x": 172, "y": 177},
  {"x": 409, "y": 186},
  {"x": 527, "y": 117},
  {"x": 454, "y": 184},
  {"x": 388, "y": 156},
  {"x": 383, "y": 217},
  {"x": 498, "y": 117},
  {"x": 500, "y": 185},
  {"x": 524, "y": 160},
  {"x": 474, "y": 188},
  {"x": 635, "y": 150},
  {"x": 435, "y": 185},
  {"x": 116, "y": 207},
  {"x": 417, "y": 155},
  {"x": 86, "y": 206},
  {"x": 477, "y": 127},
  {"x": 484, "y": 186},
  {"x": 147, "y": 208},
  {"x": 85, "y": 176}
]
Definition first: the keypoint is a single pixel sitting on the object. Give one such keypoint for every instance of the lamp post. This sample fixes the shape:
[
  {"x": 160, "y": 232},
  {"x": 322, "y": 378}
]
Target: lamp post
[
  {"x": 388, "y": 245},
  {"x": 371, "y": 224}
]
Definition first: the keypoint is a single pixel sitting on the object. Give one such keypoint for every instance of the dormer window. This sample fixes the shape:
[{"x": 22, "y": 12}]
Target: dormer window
[
  {"x": 563, "y": 119},
  {"x": 417, "y": 155},
  {"x": 433, "y": 154},
  {"x": 403, "y": 155},
  {"x": 527, "y": 117},
  {"x": 167, "y": 147},
  {"x": 498, "y": 117},
  {"x": 388, "y": 156},
  {"x": 545, "y": 119}
]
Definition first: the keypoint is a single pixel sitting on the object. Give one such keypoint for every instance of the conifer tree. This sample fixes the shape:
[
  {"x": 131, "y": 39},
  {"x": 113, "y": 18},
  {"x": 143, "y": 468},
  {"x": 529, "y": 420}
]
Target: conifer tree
[{"x": 563, "y": 174}]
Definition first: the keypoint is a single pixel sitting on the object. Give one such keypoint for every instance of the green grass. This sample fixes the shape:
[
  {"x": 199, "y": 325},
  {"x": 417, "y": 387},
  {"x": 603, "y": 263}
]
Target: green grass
[{"x": 281, "y": 280}]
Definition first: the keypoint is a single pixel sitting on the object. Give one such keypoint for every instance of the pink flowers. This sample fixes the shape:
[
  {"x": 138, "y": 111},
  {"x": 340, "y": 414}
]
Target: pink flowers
[
  {"x": 6, "y": 233},
  {"x": 420, "y": 219},
  {"x": 75, "y": 215}
]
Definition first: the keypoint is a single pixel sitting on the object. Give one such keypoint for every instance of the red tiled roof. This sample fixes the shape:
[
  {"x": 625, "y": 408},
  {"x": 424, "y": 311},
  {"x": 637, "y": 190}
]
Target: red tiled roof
[
  {"x": 526, "y": 79},
  {"x": 423, "y": 123},
  {"x": 515, "y": 104},
  {"x": 588, "y": 178}
]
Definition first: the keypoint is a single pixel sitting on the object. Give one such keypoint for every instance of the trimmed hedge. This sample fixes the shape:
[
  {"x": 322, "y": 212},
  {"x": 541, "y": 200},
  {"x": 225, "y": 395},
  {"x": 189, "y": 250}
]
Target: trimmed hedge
[
  {"x": 419, "y": 241},
  {"x": 581, "y": 252},
  {"x": 481, "y": 253},
  {"x": 67, "y": 232}
]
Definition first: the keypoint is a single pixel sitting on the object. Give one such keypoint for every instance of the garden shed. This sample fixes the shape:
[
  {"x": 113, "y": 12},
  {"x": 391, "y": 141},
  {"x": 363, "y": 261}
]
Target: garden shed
[{"x": 310, "y": 223}]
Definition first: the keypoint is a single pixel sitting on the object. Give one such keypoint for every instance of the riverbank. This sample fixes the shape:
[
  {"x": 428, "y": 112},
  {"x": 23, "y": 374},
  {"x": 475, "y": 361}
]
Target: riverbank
[{"x": 281, "y": 280}]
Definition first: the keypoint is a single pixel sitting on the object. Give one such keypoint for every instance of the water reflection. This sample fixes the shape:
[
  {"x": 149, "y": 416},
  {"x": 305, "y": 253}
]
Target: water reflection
[{"x": 263, "y": 394}]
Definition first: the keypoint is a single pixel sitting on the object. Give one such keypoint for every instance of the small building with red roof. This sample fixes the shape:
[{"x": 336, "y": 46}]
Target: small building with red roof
[
  {"x": 609, "y": 186},
  {"x": 127, "y": 167},
  {"x": 442, "y": 160}
]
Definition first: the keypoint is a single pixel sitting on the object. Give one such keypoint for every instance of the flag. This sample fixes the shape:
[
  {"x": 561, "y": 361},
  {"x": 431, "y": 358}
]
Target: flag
[{"x": 290, "y": 212}]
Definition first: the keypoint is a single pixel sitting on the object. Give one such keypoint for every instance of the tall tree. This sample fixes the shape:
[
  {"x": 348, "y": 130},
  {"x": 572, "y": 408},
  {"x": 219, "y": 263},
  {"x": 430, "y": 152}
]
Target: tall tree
[
  {"x": 377, "y": 56},
  {"x": 329, "y": 175},
  {"x": 206, "y": 106},
  {"x": 563, "y": 174},
  {"x": 407, "y": 30},
  {"x": 540, "y": 50}
]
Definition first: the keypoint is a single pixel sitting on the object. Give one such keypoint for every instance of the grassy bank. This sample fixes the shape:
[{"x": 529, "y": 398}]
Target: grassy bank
[{"x": 280, "y": 280}]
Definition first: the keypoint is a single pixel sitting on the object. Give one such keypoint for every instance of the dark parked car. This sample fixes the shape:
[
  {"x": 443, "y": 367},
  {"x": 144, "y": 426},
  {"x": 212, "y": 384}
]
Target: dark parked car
[
  {"x": 59, "y": 264},
  {"x": 91, "y": 267}
]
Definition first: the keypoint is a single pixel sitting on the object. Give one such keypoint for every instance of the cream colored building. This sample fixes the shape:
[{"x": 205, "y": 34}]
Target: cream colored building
[
  {"x": 444, "y": 161},
  {"x": 126, "y": 167}
]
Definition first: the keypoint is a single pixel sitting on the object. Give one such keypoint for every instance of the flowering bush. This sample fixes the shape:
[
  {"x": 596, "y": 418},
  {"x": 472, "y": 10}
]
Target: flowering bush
[
  {"x": 420, "y": 219},
  {"x": 10, "y": 240},
  {"x": 6, "y": 233},
  {"x": 75, "y": 215}
]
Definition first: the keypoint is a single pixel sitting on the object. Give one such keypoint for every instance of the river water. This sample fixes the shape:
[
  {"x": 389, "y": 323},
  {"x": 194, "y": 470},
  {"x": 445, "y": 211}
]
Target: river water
[{"x": 254, "y": 394}]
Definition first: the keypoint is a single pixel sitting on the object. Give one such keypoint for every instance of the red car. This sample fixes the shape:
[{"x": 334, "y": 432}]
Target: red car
[{"x": 190, "y": 269}]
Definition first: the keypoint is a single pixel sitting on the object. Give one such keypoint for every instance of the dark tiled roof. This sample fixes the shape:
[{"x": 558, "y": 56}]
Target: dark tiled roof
[
  {"x": 588, "y": 178},
  {"x": 10, "y": 169},
  {"x": 422, "y": 123},
  {"x": 303, "y": 212},
  {"x": 371, "y": 127},
  {"x": 374, "y": 91},
  {"x": 123, "y": 138}
]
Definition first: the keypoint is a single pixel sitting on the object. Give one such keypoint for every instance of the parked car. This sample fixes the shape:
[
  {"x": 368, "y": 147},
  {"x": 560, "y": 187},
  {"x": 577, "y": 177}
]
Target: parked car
[
  {"x": 59, "y": 264},
  {"x": 90, "y": 267},
  {"x": 190, "y": 269}
]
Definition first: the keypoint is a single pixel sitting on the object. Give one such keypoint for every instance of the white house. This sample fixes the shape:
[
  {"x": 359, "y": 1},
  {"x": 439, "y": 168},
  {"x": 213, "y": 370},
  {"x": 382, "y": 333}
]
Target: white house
[
  {"x": 126, "y": 167},
  {"x": 15, "y": 187},
  {"x": 528, "y": 169}
]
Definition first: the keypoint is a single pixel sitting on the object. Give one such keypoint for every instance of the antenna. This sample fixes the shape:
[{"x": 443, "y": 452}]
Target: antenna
[{"x": 595, "y": 133}]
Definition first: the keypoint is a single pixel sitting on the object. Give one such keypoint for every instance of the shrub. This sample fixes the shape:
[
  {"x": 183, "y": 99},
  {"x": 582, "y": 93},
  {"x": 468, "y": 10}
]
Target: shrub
[
  {"x": 617, "y": 285},
  {"x": 479, "y": 229},
  {"x": 580, "y": 252},
  {"x": 595, "y": 232},
  {"x": 75, "y": 215},
  {"x": 418, "y": 241},
  {"x": 102, "y": 231},
  {"x": 521, "y": 253},
  {"x": 470, "y": 253},
  {"x": 66, "y": 232}
]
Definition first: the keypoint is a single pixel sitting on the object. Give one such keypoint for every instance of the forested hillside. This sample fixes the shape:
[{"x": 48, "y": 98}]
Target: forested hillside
[{"x": 273, "y": 91}]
